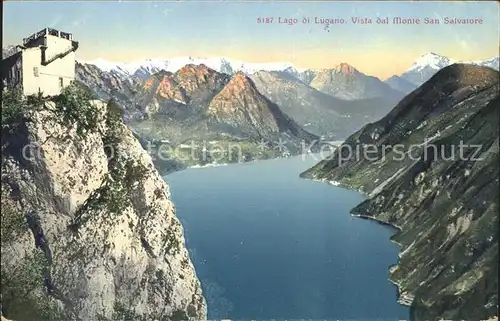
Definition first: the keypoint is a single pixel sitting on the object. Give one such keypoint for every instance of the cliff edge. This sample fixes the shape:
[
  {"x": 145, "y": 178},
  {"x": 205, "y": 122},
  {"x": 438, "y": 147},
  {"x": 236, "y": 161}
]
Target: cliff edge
[{"x": 88, "y": 228}]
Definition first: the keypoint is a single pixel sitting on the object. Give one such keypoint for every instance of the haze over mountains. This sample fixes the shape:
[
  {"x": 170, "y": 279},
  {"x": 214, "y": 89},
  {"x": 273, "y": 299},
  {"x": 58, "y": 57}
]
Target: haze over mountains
[
  {"x": 147, "y": 67},
  {"x": 143, "y": 68},
  {"x": 315, "y": 110},
  {"x": 346, "y": 82}
]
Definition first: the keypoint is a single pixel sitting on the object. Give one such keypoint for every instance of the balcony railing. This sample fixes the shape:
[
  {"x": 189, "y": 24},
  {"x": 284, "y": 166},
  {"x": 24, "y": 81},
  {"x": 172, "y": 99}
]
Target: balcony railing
[{"x": 47, "y": 31}]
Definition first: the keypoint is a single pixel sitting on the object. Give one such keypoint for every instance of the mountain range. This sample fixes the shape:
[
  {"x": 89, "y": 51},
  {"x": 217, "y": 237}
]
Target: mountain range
[
  {"x": 420, "y": 71},
  {"x": 197, "y": 94},
  {"x": 172, "y": 99},
  {"x": 198, "y": 104},
  {"x": 181, "y": 98},
  {"x": 146, "y": 67},
  {"x": 322, "y": 110},
  {"x": 426, "y": 65},
  {"x": 109, "y": 85},
  {"x": 207, "y": 104}
]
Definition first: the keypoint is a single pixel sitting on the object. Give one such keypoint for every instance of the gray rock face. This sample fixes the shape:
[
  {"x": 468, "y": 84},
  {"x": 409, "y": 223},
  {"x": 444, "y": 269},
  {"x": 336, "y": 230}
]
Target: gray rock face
[
  {"x": 442, "y": 197},
  {"x": 101, "y": 217},
  {"x": 307, "y": 76},
  {"x": 8, "y": 51},
  {"x": 107, "y": 85}
]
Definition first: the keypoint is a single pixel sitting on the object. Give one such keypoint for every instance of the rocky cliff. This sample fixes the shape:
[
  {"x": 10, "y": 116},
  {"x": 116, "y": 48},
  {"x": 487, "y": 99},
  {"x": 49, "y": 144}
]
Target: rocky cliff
[
  {"x": 88, "y": 228},
  {"x": 107, "y": 85},
  {"x": 431, "y": 169}
]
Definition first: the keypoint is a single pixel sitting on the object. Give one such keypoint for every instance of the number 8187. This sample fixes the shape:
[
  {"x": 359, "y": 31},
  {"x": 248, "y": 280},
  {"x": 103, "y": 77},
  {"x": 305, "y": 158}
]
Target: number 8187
[{"x": 265, "y": 20}]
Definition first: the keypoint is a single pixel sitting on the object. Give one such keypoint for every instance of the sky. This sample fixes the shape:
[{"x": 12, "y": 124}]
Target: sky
[{"x": 125, "y": 31}]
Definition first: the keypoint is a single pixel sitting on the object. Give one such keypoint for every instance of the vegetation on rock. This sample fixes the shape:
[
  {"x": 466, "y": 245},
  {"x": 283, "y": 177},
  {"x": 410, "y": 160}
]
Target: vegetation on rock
[
  {"x": 13, "y": 223},
  {"x": 13, "y": 106},
  {"x": 74, "y": 106},
  {"x": 24, "y": 295}
]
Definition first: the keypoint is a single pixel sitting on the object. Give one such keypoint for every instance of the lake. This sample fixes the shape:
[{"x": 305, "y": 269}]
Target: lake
[{"x": 267, "y": 244}]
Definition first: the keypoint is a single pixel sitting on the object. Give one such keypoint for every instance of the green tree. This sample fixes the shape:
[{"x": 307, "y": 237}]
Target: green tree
[
  {"x": 74, "y": 105},
  {"x": 13, "y": 105}
]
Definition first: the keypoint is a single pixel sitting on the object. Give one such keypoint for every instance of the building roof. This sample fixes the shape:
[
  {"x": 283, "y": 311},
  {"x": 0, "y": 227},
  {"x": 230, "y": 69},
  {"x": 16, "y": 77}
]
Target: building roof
[{"x": 47, "y": 31}]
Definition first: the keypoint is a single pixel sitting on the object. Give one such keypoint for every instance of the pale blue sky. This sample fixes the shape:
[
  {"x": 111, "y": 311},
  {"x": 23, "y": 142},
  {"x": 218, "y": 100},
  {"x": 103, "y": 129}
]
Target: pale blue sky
[{"x": 124, "y": 31}]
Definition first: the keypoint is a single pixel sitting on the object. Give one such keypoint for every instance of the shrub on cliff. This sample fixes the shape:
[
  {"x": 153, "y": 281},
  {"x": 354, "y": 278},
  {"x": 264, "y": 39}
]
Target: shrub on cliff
[
  {"x": 114, "y": 115},
  {"x": 13, "y": 105},
  {"x": 85, "y": 88},
  {"x": 75, "y": 106},
  {"x": 13, "y": 223},
  {"x": 23, "y": 292}
]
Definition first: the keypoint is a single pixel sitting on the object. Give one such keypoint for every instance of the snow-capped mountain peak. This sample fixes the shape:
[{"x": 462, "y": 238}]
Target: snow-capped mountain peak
[
  {"x": 492, "y": 62},
  {"x": 431, "y": 60},
  {"x": 103, "y": 64},
  {"x": 148, "y": 66},
  {"x": 428, "y": 64}
]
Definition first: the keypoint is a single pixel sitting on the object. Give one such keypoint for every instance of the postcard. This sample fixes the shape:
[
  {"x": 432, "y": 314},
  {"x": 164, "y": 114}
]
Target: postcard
[{"x": 250, "y": 160}]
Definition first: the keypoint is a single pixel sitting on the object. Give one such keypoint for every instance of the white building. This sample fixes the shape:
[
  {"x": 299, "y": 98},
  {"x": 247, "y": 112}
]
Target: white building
[{"x": 45, "y": 63}]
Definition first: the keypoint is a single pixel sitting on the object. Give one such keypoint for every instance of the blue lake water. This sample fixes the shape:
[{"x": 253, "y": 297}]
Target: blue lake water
[{"x": 267, "y": 244}]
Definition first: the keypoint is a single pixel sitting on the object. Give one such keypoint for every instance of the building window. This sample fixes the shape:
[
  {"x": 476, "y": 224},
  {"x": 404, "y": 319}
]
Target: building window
[
  {"x": 35, "y": 71},
  {"x": 60, "y": 82}
]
